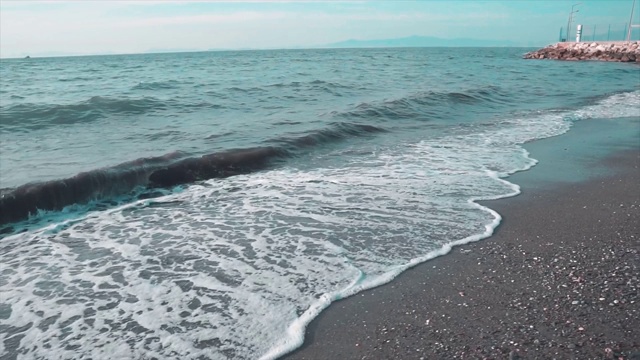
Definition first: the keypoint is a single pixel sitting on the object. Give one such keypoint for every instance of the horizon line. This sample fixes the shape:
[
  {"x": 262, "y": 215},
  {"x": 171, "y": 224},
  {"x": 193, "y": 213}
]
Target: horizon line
[{"x": 328, "y": 47}]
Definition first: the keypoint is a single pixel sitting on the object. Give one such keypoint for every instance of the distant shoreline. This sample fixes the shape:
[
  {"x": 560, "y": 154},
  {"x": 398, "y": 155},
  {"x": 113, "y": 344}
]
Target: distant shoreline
[{"x": 45, "y": 56}]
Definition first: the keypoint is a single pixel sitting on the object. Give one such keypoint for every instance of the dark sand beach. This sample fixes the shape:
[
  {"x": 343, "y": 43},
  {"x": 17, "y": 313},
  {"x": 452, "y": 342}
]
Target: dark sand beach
[{"x": 560, "y": 278}]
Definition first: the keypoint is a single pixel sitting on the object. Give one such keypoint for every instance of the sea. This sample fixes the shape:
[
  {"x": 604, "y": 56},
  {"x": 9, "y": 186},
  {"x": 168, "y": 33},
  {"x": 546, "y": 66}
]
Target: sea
[{"x": 210, "y": 205}]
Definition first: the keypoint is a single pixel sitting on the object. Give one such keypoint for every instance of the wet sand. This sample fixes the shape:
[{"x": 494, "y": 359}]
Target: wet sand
[{"x": 560, "y": 279}]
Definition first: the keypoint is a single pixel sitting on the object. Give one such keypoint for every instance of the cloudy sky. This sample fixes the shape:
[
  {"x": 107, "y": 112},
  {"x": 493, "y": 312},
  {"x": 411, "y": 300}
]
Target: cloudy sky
[{"x": 54, "y": 27}]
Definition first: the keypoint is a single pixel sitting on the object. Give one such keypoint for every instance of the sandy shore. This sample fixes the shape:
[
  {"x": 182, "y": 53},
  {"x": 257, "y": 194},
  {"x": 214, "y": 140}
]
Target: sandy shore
[{"x": 560, "y": 279}]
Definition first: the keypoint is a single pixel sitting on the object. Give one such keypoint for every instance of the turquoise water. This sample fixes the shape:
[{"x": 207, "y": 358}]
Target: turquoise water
[{"x": 209, "y": 205}]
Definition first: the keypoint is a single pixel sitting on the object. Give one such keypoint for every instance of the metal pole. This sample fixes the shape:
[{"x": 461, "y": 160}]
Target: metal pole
[
  {"x": 570, "y": 22},
  {"x": 631, "y": 21},
  {"x": 571, "y": 19},
  {"x": 560, "y": 36},
  {"x": 593, "y": 37},
  {"x": 609, "y": 32},
  {"x": 625, "y": 26}
]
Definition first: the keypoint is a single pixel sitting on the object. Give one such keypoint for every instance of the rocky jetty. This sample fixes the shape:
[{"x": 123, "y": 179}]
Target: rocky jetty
[{"x": 627, "y": 51}]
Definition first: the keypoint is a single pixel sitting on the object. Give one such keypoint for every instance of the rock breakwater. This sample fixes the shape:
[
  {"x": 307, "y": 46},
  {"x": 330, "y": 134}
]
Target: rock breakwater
[{"x": 601, "y": 51}]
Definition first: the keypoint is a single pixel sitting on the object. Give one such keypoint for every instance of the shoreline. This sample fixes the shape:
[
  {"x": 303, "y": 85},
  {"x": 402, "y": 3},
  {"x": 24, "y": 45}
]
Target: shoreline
[{"x": 532, "y": 290}]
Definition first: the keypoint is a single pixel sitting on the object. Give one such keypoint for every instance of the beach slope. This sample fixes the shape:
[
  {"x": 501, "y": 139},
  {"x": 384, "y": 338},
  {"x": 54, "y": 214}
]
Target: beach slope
[{"x": 560, "y": 279}]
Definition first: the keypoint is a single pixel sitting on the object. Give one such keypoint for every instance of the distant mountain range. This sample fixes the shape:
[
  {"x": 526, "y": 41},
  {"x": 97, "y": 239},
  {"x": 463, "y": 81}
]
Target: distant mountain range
[
  {"x": 421, "y": 41},
  {"x": 410, "y": 41}
]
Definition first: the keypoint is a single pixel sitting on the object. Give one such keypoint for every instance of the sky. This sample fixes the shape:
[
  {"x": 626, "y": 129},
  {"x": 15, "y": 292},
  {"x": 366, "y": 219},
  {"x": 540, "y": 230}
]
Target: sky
[{"x": 52, "y": 27}]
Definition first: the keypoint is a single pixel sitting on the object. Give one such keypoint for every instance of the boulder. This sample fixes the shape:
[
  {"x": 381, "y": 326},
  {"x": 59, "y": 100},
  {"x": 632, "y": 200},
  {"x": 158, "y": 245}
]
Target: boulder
[{"x": 616, "y": 51}]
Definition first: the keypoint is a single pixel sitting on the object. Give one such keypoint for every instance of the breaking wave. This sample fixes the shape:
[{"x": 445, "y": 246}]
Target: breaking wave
[{"x": 160, "y": 172}]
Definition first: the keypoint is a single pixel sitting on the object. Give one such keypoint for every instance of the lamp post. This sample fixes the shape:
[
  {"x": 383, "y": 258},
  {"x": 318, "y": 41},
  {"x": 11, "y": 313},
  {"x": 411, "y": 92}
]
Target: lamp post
[
  {"x": 571, "y": 18},
  {"x": 631, "y": 26}
]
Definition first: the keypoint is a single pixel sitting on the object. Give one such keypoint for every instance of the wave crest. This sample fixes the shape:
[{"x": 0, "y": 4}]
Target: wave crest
[
  {"x": 426, "y": 104},
  {"x": 36, "y": 116},
  {"x": 156, "y": 85},
  {"x": 161, "y": 172}
]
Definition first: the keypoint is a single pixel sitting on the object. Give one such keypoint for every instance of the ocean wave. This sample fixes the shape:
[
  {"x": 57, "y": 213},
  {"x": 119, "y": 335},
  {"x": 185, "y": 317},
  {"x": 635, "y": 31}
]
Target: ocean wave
[
  {"x": 335, "y": 132},
  {"x": 249, "y": 90},
  {"x": 177, "y": 169},
  {"x": 615, "y": 105},
  {"x": 297, "y": 84},
  {"x": 426, "y": 104},
  {"x": 218, "y": 165},
  {"x": 161, "y": 172},
  {"x": 313, "y": 85},
  {"x": 156, "y": 85},
  {"x": 36, "y": 116},
  {"x": 284, "y": 89},
  {"x": 76, "y": 78},
  {"x": 154, "y": 172},
  {"x": 329, "y": 87},
  {"x": 240, "y": 161},
  {"x": 629, "y": 97},
  {"x": 20, "y": 203}
]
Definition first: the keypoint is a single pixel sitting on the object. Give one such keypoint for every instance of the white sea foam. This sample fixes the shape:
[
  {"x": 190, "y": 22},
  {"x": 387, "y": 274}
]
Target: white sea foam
[{"x": 237, "y": 268}]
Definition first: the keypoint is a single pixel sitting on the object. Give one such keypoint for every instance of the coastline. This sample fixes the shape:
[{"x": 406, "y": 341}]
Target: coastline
[{"x": 558, "y": 279}]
